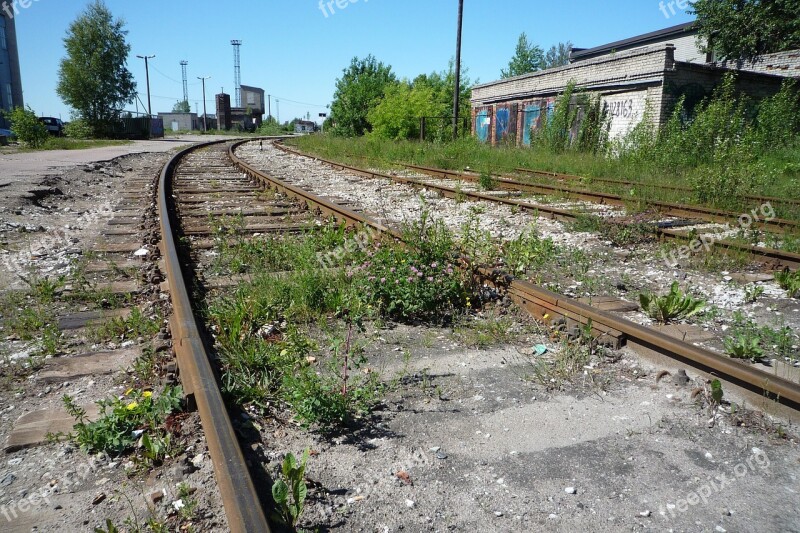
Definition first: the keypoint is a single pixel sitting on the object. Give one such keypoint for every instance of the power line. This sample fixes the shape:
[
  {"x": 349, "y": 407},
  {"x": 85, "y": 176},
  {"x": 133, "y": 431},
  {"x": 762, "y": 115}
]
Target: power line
[{"x": 299, "y": 103}]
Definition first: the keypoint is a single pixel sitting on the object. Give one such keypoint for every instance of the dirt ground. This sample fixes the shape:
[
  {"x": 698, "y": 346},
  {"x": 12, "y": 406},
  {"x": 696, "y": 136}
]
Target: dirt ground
[{"x": 472, "y": 442}]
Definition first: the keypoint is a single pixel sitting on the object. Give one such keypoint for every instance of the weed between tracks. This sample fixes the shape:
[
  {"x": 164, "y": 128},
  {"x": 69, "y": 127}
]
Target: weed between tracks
[{"x": 269, "y": 353}]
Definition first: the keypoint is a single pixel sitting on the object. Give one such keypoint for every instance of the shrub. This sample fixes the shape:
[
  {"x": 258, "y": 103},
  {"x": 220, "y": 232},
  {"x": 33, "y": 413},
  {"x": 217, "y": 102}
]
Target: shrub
[
  {"x": 78, "y": 129},
  {"x": 408, "y": 285},
  {"x": 27, "y": 127}
]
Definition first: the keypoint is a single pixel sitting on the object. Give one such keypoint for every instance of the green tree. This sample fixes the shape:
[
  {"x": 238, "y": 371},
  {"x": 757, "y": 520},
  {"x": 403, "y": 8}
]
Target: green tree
[
  {"x": 527, "y": 58},
  {"x": 746, "y": 29},
  {"x": 558, "y": 55},
  {"x": 360, "y": 89},
  {"x": 442, "y": 84},
  {"x": 93, "y": 78},
  {"x": 26, "y": 126},
  {"x": 182, "y": 107},
  {"x": 398, "y": 115}
]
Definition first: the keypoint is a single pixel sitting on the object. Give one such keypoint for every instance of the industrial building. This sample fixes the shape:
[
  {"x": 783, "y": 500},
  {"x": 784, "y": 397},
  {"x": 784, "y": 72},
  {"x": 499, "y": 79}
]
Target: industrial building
[
  {"x": 10, "y": 80},
  {"x": 174, "y": 121},
  {"x": 647, "y": 72},
  {"x": 249, "y": 117}
]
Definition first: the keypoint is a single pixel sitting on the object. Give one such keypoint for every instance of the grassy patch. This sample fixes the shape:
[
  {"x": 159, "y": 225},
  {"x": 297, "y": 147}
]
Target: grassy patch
[{"x": 65, "y": 143}]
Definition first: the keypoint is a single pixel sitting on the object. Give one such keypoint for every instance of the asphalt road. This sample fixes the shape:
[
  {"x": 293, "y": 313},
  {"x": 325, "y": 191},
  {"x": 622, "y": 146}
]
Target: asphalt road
[{"x": 19, "y": 165}]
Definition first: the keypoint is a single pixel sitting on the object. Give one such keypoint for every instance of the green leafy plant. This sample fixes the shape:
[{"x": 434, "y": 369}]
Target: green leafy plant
[
  {"x": 789, "y": 281},
  {"x": 27, "y": 127},
  {"x": 123, "y": 420},
  {"x": 675, "y": 305},
  {"x": 744, "y": 346},
  {"x": 753, "y": 293},
  {"x": 486, "y": 181},
  {"x": 716, "y": 391},
  {"x": 290, "y": 491},
  {"x": 526, "y": 252}
]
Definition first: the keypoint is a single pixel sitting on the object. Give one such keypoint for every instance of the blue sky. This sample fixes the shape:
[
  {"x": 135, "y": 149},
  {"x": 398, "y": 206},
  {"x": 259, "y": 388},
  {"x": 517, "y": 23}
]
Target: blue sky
[{"x": 293, "y": 51}]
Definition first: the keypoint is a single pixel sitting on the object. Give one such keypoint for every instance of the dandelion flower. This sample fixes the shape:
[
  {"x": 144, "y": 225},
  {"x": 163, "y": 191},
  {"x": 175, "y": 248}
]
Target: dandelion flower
[
  {"x": 132, "y": 406},
  {"x": 147, "y": 394}
]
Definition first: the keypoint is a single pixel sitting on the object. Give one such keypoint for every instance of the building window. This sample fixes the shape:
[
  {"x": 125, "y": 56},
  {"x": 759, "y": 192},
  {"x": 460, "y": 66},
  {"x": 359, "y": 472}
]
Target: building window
[
  {"x": 9, "y": 97},
  {"x": 3, "y": 43}
]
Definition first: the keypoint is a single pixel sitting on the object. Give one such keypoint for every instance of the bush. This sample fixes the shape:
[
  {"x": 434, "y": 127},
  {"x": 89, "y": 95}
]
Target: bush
[
  {"x": 78, "y": 129},
  {"x": 27, "y": 127}
]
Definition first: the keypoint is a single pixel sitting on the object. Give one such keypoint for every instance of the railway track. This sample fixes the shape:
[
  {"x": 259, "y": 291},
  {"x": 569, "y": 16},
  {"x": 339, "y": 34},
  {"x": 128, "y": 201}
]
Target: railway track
[
  {"x": 202, "y": 186},
  {"x": 542, "y": 303},
  {"x": 756, "y": 199},
  {"x": 671, "y": 209},
  {"x": 772, "y": 258},
  {"x": 183, "y": 183}
]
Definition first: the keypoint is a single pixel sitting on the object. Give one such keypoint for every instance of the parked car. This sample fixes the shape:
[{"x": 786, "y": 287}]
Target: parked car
[
  {"x": 54, "y": 125},
  {"x": 6, "y": 133}
]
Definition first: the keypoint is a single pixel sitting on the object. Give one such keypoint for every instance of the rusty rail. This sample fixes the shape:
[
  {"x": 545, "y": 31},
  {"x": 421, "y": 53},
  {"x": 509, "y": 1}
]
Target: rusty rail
[
  {"x": 673, "y": 209},
  {"x": 239, "y": 497},
  {"x": 540, "y": 302}
]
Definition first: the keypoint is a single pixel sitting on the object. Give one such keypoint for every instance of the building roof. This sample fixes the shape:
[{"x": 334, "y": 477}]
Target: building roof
[{"x": 680, "y": 30}]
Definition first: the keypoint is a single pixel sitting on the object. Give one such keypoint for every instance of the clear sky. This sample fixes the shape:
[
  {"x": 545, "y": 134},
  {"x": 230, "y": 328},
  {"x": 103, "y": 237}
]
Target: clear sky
[{"x": 295, "y": 52}]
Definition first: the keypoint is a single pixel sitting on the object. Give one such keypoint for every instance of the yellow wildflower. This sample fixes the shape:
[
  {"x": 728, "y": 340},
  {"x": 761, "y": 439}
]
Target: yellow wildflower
[
  {"x": 128, "y": 392},
  {"x": 147, "y": 394},
  {"x": 132, "y": 406}
]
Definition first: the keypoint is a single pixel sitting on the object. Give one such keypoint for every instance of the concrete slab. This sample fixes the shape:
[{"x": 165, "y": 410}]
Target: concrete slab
[
  {"x": 610, "y": 303},
  {"x": 32, "y": 429},
  {"x": 90, "y": 364},
  {"x": 686, "y": 332},
  {"x": 90, "y": 318},
  {"x": 751, "y": 278}
]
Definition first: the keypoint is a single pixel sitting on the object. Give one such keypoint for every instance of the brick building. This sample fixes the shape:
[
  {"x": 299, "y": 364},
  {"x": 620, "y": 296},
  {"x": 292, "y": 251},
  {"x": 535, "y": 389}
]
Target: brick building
[{"x": 650, "y": 71}]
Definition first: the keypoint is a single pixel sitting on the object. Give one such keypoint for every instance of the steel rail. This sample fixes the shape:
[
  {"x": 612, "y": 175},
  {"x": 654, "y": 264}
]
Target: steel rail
[
  {"x": 239, "y": 496},
  {"x": 626, "y": 183},
  {"x": 683, "y": 210},
  {"x": 776, "y": 259},
  {"x": 541, "y": 302}
]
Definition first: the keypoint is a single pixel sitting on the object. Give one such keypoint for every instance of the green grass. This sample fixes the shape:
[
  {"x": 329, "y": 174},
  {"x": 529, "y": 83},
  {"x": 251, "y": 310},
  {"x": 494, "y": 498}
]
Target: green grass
[{"x": 65, "y": 143}]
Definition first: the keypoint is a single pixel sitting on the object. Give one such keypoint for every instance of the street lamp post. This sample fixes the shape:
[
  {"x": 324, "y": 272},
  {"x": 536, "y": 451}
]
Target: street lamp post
[
  {"x": 205, "y": 114},
  {"x": 147, "y": 74}
]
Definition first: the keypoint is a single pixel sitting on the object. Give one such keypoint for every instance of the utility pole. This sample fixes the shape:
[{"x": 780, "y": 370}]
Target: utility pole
[
  {"x": 147, "y": 73},
  {"x": 278, "y": 103},
  {"x": 269, "y": 107},
  {"x": 457, "y": 93},
  {"x": 205, "y": 114}
]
